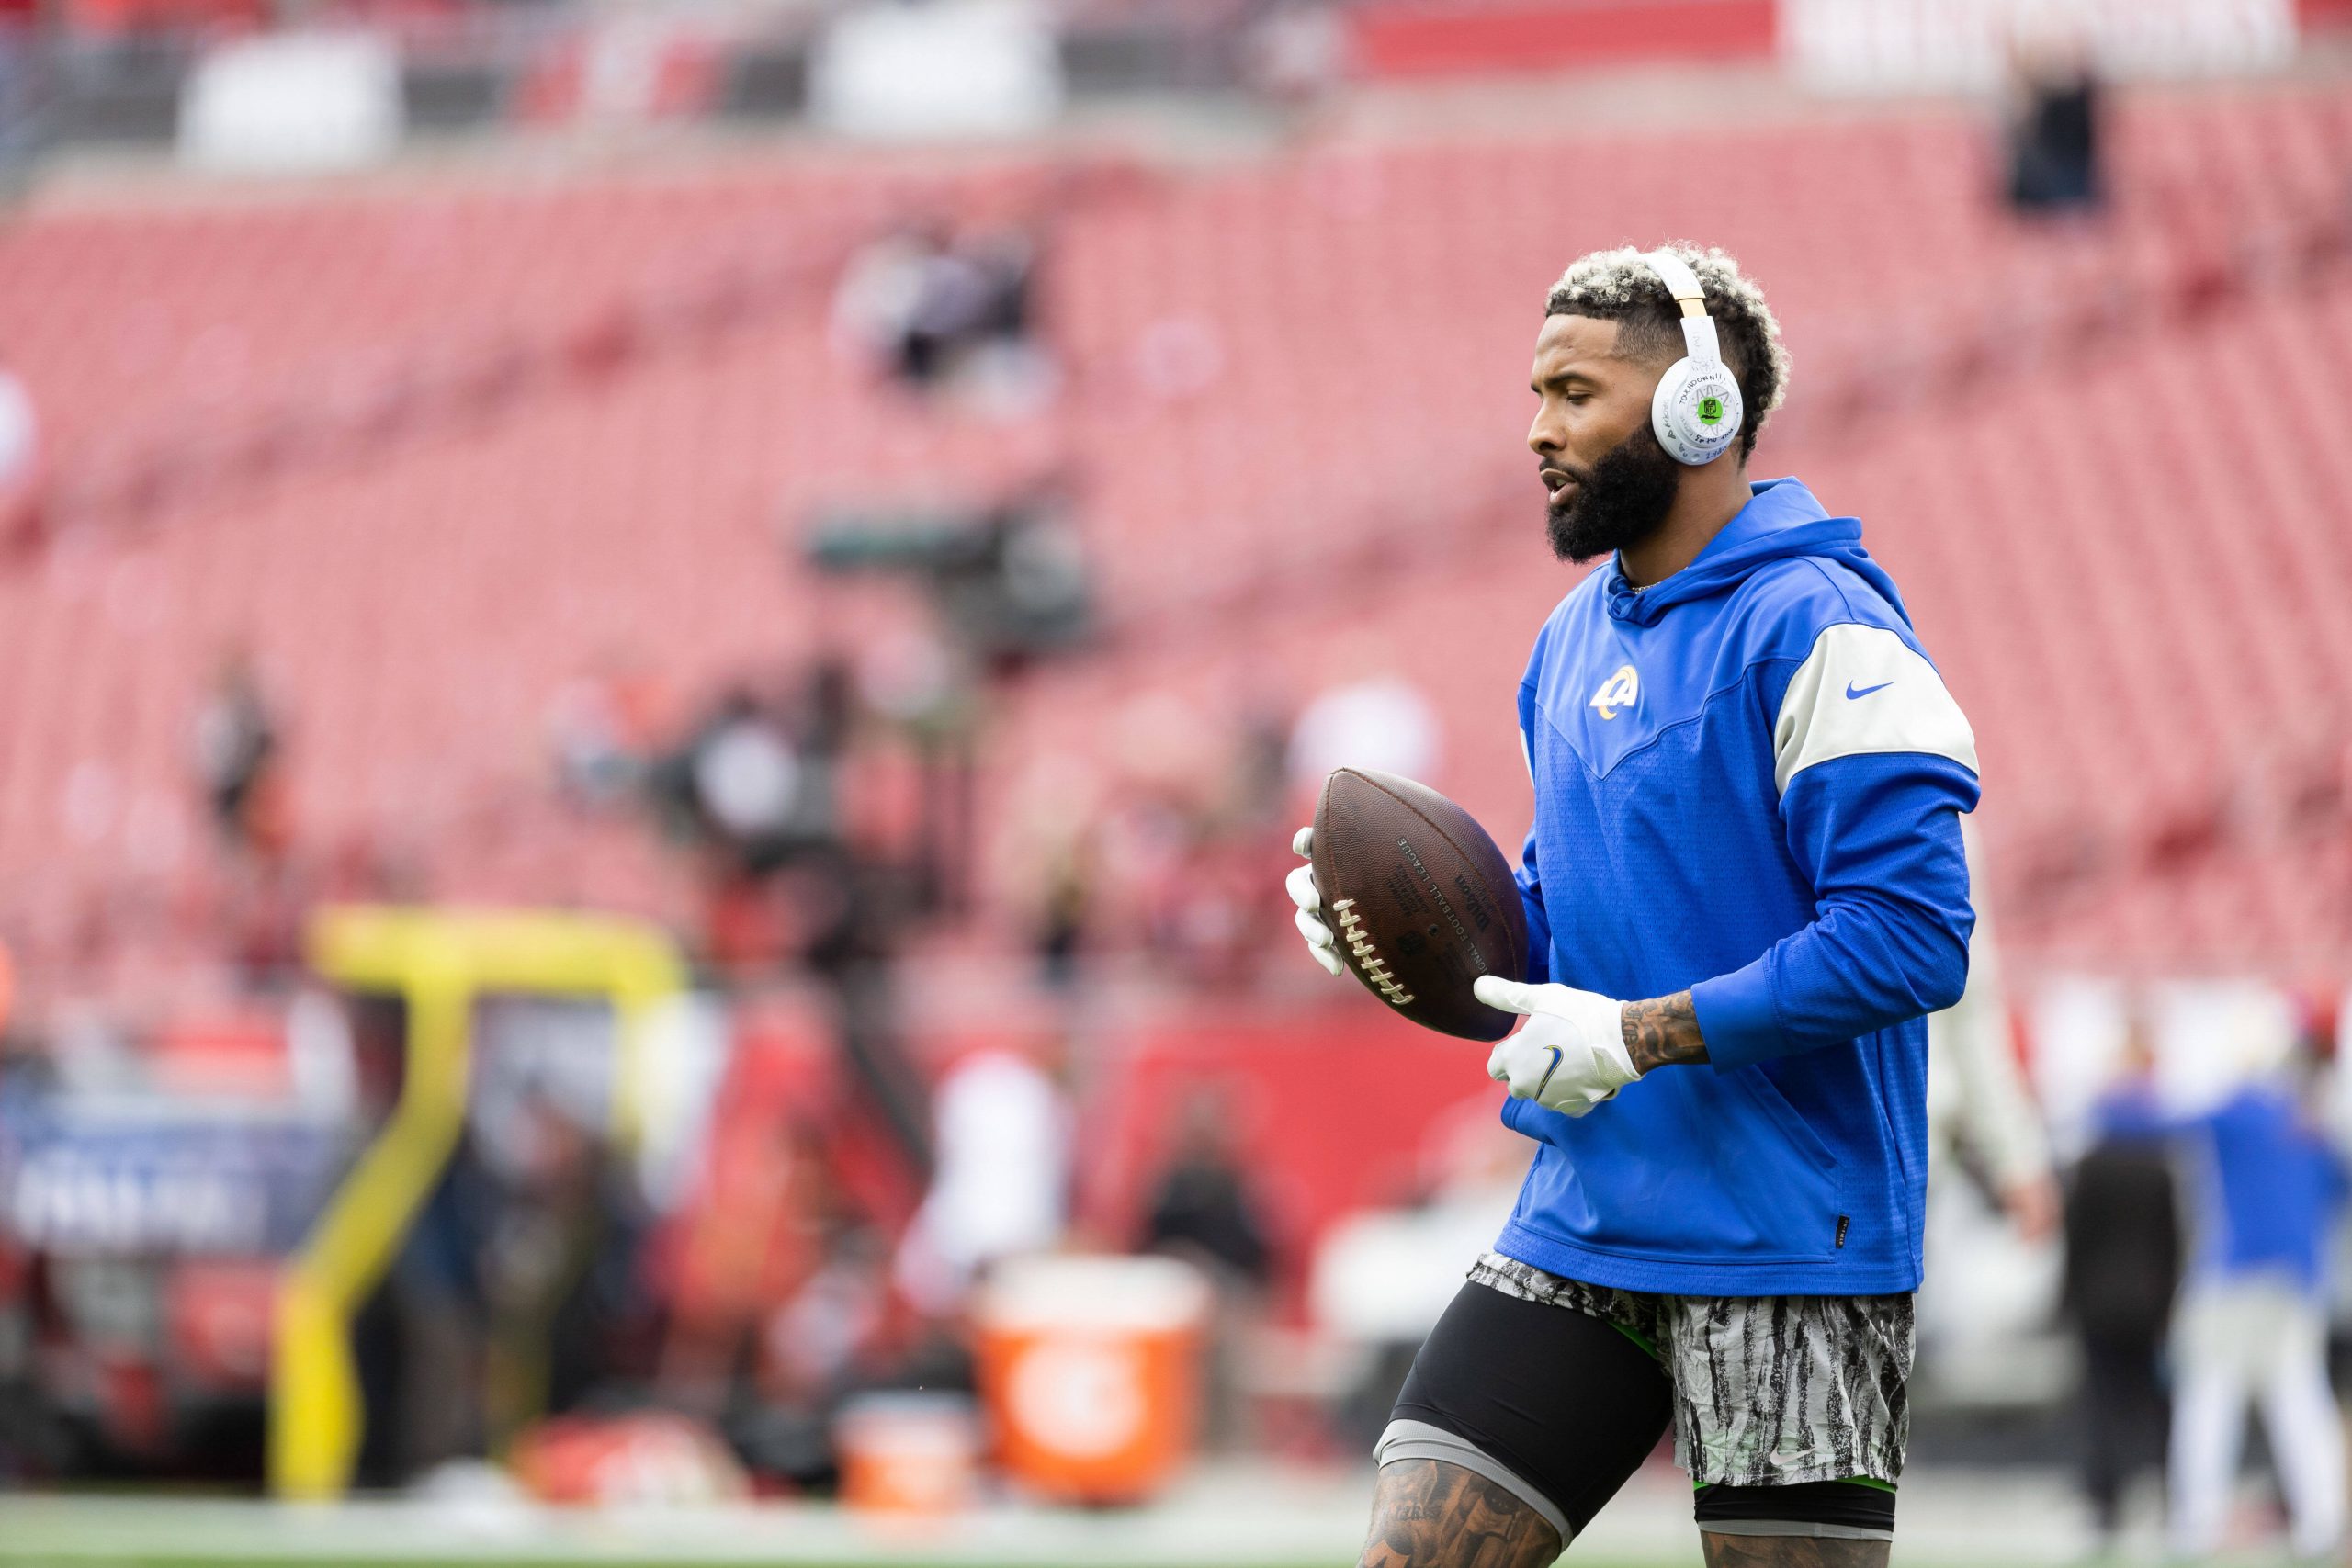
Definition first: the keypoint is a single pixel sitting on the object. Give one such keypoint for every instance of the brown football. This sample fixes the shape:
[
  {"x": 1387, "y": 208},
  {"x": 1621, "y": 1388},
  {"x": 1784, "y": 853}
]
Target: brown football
[{"x": 1420, "y": 900}]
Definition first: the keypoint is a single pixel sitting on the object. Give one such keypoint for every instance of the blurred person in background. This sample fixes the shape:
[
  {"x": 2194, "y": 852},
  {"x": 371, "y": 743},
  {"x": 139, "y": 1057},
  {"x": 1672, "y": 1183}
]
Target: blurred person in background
[
  {"x": 20, "y": 1404},
  {"x": 1977, "y": 1099},
  {"x": 1000, "y": 1183},
  {"x": 883, "y": 294},
  {"x": 1206, "y": 1209},
  {"x": 1992, "y": 1265},
  {"x": 239, "y": 755},
  {"x": 237, "y": 758},
  {"x": 947, "y": 312},
  {"x": 2122, "y": 1267},
  {"x": 2053, "y": 131},
  {"x": 21, "y": 1412},
  {"x": 745, "y": 780},
  {"x": 601, "y": 728},
  {"x": 1052, "y": 855},
  {"x": 1066, "y": 899},
  {"x": 830, "y": 1340},
  {"x": 2253, "y": 1324},
  {"x": 420, "y": 1342},
  {"x": 564, "y": 1293},
  {"x": 753, "y": 790}
]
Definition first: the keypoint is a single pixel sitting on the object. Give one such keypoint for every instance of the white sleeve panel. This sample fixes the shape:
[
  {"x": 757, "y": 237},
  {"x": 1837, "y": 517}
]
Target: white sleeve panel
[{"x": 1864, "y": 690}]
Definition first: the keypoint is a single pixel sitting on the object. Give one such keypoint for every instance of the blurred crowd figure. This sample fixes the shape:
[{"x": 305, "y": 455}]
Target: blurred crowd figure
[
  {"x": 1992, "y": 1183},
  {"x": 1206, "y": 1208},
  {"x": 1980, "y": 1110},
  {"x": 2054, "y": 146},
  {"x": 748, "y": 790},
  {"x": 2250, "y": 1189},
  {"x": 2123, "y": 1239},
  {"x": 520, "y": 1293},
  {"x": 239, "y": 756},
  {"x": 2194, "y": 1233},
  {"x": 948, "y": 311},
  {"x": 603, "y": 725},
  {"x": 2252, "y": 1325},
  {"x": 742, "y": 788},
  {"x": 237, "y": 763},
  {"x": 1001, "y": 1181},
  {"x": 1207, "y": 1211}
]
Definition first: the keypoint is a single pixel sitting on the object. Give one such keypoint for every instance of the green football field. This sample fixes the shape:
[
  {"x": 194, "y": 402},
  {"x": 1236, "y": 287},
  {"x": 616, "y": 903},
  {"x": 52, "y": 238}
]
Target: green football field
[
  {"x": 107, "y": 1559},
  {"x": 1230, "y": 1517},
  {"x": 30, "y": 1561},
  {"x": 111, "y": 1560},
  {"x": 147, "y": 1532}
]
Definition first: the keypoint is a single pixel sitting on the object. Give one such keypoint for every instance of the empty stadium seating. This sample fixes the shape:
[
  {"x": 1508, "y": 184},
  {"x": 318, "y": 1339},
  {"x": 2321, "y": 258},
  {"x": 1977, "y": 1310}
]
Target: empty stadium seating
[{"x": 433, "y": 450}]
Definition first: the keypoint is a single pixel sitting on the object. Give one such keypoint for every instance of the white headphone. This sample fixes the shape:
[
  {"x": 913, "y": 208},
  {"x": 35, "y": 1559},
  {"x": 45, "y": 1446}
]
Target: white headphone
[{"x": 1696, "y": 409}]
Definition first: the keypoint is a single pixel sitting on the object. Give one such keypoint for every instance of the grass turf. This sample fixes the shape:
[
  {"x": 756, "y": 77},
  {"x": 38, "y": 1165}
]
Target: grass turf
[{"x": 103, "y": 1559}]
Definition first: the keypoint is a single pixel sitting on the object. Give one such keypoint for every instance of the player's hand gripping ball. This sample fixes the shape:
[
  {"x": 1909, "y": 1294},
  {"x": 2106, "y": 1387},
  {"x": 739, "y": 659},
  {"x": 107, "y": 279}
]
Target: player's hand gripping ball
[
  {"x": 1321, "y": 945},
  {"x": 1404, "y": 889},
  {"x": 1571, "y": 1055}
]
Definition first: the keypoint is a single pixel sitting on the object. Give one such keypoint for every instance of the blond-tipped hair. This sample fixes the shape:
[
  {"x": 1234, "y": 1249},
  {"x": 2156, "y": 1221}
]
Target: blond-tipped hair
[{"x": 1618, "y": 286}]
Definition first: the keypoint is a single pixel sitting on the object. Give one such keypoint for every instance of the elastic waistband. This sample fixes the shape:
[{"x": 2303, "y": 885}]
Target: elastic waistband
[{"x": 1704, "y": 1277}]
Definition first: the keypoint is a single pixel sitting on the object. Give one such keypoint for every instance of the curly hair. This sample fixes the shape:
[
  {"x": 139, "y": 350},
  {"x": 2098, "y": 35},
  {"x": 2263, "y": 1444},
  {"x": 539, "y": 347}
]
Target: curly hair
[{"x": 1618, "y": 286}]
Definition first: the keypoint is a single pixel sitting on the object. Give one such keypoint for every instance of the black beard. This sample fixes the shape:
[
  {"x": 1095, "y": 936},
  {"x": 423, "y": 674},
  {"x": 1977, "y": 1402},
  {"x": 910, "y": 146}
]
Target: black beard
[{"x": 1624, "y": 501}]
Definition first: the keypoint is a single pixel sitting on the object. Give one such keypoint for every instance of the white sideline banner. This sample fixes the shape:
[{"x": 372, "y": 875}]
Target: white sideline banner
[
  {"x": 947, "y": 68},
  {"x": 293, "y": 103},
  {"x": 1905, "y": 46}
]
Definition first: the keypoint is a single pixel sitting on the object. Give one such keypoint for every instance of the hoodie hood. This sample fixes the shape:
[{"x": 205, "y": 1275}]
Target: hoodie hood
[{"x": 1781, "y": 519}]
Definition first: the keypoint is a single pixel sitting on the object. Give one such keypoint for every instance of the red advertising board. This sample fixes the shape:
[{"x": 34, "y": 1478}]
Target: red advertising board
[{"x": 1439, "y": 38}]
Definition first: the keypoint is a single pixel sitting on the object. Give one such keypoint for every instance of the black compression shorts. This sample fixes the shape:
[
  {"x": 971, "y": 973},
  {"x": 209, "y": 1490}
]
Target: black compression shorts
[{"x": 1560, "y": 1407}]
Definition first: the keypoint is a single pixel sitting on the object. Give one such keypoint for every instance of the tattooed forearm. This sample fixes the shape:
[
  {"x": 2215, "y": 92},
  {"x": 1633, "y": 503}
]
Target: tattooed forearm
[
  {"x": 1663, "y": 1032},
  {"x": 1428, "y": 1514},
  {"x": 1791, "y": 1552}
]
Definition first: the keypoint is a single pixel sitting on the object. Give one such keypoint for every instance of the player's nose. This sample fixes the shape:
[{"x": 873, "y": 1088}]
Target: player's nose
[{"x": 1544, "y": 436}]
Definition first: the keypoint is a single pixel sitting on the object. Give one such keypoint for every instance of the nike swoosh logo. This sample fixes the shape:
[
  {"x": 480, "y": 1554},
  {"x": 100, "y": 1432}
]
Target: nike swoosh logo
[
  {"x": 1851, "y": 693},
  {"x": 1546, "y": 1082}
]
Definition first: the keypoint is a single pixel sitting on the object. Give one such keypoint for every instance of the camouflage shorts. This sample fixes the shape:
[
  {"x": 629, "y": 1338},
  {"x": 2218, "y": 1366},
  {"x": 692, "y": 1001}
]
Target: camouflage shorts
[{"x": 1769, "y": 1391}]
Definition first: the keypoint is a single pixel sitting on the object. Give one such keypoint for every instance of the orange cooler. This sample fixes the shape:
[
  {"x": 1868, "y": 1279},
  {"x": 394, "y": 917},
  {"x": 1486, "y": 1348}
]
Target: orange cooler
[
  {"x": 908, "y": 1456},
  {"x": 1089, "y": 1369}
]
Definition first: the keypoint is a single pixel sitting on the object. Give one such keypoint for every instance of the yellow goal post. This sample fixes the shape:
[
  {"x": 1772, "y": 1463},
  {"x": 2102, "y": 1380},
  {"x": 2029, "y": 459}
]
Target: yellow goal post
[{"x": 439, "y": 962}]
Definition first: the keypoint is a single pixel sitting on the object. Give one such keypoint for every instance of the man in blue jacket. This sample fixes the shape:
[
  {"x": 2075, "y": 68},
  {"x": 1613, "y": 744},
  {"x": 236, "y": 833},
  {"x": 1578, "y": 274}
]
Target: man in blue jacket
[
  {"x": 1745, "y": 890},
  {"x": 2253, "y": 1321}
]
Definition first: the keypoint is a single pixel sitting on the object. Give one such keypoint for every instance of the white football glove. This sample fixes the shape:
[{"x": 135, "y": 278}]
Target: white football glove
[
  {"x": 1322, "y": 945},
  {"x": 1570, "y": 1055}
]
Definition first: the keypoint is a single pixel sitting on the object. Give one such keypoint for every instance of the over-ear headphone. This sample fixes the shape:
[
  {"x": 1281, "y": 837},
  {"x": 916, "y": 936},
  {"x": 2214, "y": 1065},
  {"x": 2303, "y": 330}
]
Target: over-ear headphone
[{"x": 1696, "y": 409}]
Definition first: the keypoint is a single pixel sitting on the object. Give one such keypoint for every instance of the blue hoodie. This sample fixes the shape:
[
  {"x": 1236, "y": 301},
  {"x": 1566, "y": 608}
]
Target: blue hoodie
[{"x": 1748, "y": 782}]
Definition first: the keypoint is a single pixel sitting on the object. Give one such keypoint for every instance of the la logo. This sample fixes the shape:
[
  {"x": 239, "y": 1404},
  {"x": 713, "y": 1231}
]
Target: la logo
[{"x": 1622, "y": 689}]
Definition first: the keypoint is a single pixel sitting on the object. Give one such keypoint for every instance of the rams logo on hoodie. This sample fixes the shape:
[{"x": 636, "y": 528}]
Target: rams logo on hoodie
[{"x": 1622, "y": 689}]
